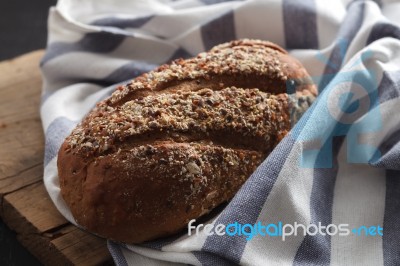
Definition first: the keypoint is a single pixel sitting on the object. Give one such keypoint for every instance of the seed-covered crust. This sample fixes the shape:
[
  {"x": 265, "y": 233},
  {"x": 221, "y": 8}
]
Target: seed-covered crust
[{"x": 178, "y": 141}]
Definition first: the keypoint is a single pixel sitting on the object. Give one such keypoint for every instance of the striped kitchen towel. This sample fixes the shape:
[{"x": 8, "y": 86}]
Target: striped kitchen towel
[{"x": 329, "y": 194}]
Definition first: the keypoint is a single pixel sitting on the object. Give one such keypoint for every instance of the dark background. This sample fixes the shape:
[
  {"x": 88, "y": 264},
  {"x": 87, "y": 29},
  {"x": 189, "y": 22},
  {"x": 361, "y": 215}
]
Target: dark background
[{"x": 23, "y": 28}]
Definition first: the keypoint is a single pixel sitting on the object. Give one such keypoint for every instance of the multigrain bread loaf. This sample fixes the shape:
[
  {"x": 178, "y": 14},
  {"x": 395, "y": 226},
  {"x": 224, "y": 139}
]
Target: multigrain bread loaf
[{"x": 176, "y": 142}]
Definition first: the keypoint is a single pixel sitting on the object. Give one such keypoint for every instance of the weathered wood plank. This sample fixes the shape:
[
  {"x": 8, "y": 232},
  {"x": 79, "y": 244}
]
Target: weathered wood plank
[
  {"x": 21, "y": 135},
  {"x": 82, "y": 248},
  {"x": 30, "y": 210},
  {"x": 25, "y": 205}
]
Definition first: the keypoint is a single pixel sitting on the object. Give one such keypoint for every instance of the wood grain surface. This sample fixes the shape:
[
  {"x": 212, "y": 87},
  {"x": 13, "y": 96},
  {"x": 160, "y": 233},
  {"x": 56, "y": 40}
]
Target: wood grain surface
[{"x": 25, "y": 205}]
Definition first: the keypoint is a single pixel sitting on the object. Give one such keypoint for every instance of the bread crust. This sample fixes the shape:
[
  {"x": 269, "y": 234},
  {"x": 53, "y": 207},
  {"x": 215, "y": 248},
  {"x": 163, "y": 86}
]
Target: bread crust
[{"x": 178, "y": 141}]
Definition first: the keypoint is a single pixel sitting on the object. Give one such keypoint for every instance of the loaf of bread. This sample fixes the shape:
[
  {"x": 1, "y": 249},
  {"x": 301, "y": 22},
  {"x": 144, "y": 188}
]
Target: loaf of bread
[{"x": 176, "y": 142}]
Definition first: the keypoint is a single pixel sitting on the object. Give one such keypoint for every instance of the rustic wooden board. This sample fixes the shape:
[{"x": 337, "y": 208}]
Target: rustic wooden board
[{"x": 25, "y": 205}]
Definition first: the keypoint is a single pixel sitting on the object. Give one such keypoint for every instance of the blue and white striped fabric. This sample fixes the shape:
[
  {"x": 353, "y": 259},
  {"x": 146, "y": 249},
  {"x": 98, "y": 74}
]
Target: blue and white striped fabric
[{"x": 95, "y": 44}]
